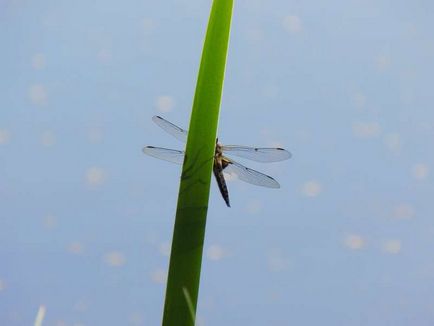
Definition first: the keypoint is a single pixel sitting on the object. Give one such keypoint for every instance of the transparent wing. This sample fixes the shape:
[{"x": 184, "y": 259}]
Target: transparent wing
[
  {"x": 166, "y": 154},
  {"x": 170, "y": 128},
  {"x": 257, "y": 153},
  {"x": 251, "y": 176}
]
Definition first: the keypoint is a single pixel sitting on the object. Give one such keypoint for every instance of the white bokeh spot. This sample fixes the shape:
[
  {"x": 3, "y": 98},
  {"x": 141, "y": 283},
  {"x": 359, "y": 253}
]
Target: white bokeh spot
[
  {"x": 383, "y": 61},
  {"x": 229, "y": 177},
  {"x": 159, "y": 276},
  {"x": 359, "y": 100},
  {"x": 2, "y": 285},
  {"x": 215, "y": 252},
  {"x": 311, "y": 188},
  {"x": 254, "y": 206},
  {"x": 50, "y": 221},
  {"x": 164, "y": 248},
  {"x": 403, "y": 211},
  {"x": 95, "y": 135},
  {"x": 277, "y": 262},
  {"x": 255, "y": 35},
  {"x": 38, "y": 94},
  {"x": 38, "y": 61},
  {"x": 354, "y": 242},
  {"x": 165, "y": 103},
  {"x": 76, "y": 248},
  {"x": 392, "y": 247},
  {"x": 95, "y": 176},
  {"x": 366, "y": 129},
  {"x": 148, "y": 25},
  {"x": 104, "y": 55},
  {"x": 292, "y": 24},
  {"x": 393, "y": 142},
  {"x": 270, "y": 91},
  {"x": 136, "y": 319},
  {"x": 115, "y": 258},
  {"x": 48, "y": 138},
  {"x": 420, "y": 171},
  {"x": 81, "y": 305},
  {"x": 5, "y": 136}
]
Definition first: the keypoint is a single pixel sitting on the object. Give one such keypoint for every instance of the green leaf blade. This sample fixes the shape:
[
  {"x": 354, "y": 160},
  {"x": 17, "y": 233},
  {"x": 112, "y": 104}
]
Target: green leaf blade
[{"x": 189, "y": 232}]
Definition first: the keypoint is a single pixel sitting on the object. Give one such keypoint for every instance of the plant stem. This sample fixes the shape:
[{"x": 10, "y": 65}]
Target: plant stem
[{"x": 189, "y": 232}]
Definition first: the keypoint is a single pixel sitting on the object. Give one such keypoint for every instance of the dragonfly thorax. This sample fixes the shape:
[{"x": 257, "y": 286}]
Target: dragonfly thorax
[
  {"x": 219, "y": 158},
  {"x": 218, "y": 150}
]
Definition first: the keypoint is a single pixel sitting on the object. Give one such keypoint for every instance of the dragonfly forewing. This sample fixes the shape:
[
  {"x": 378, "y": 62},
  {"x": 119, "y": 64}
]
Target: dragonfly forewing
[
  {"x": 170, "y": 128},
  {"x": 258, "y": 154},
  {"x": 170, "y": 155}
]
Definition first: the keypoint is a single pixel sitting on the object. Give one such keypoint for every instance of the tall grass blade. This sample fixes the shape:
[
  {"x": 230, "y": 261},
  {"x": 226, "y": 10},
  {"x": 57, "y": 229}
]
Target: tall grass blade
[{"x": 188, "y": 237}]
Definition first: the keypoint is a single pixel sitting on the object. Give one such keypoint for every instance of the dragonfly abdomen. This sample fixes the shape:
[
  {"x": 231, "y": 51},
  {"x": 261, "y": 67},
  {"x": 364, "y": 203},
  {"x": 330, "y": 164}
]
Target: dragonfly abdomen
[{"x": 218, "y": 173}]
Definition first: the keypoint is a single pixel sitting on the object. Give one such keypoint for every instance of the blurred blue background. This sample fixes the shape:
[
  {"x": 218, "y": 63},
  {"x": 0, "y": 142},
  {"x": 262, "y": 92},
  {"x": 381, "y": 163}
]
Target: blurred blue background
[{"x": 86, "y": 219}]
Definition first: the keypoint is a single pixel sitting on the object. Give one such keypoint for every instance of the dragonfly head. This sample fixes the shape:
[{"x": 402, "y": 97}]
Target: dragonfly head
[{"x": 218, "y": 149}]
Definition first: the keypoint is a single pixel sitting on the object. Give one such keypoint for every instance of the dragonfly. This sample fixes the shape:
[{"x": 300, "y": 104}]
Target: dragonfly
[{"x": 223, "y": 163}]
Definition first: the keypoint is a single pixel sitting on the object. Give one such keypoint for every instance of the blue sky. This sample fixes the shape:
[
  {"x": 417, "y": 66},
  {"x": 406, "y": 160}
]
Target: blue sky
[{"x": 86, "y": 219}]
